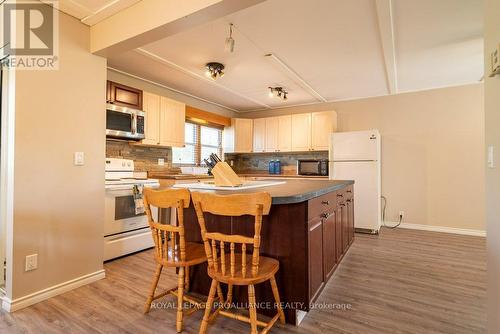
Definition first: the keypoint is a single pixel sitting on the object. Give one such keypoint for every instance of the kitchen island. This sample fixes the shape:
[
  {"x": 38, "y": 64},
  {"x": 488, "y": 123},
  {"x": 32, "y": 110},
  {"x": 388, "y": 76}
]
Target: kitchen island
[{"x": 309, "y": 229}]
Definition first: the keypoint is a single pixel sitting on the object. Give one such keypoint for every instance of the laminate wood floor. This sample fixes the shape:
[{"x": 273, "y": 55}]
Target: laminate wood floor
[{"x": 402, "y": 281}]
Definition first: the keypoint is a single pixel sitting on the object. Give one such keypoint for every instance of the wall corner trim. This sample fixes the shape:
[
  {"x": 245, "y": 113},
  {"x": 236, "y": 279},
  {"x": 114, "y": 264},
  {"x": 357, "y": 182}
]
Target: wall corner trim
[
  {"x": 432, "y": 228},
  {"x": 36, "y": 297}
]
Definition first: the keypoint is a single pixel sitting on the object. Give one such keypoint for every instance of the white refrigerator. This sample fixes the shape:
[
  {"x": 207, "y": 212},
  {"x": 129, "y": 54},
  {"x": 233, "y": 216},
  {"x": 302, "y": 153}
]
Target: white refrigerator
[{"x": 356, "y": 156}]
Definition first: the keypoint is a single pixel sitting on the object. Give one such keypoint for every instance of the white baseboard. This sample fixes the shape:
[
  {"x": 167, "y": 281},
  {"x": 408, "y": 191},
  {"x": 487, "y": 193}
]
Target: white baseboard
[
  {"x": 464, "y": 231},
  {"x": 36, "y": 297}
]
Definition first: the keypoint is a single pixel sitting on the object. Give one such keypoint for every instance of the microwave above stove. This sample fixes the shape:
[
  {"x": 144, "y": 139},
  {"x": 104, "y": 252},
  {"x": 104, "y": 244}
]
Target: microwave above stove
[
  {"x": 124, "y": 123},
  {"x": 312, "y": 167}
]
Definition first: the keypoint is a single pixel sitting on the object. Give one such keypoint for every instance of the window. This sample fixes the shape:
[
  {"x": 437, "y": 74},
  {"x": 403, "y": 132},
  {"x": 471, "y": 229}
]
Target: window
[{"x": 201, "y": 141}]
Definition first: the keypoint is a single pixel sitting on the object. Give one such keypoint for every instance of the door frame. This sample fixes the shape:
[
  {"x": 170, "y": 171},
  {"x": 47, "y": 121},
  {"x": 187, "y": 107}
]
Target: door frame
[{"x": 7, "y": 174}]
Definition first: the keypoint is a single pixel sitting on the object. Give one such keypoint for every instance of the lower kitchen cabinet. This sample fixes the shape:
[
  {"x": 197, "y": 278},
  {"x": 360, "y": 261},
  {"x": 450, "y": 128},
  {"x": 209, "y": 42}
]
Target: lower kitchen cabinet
[
  {"x": 329, "y": 242},
  {"x": 316, "y": 275},
  {"x": 331, "y": 232}
]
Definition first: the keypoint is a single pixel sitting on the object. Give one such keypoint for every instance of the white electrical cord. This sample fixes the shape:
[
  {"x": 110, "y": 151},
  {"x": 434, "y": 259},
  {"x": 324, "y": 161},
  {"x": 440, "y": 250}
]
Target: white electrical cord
[{"x": 383, "y": 215}]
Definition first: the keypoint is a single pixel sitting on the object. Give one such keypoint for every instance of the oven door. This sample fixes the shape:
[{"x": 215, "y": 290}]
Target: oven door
[{"x": 120, "y": 213}]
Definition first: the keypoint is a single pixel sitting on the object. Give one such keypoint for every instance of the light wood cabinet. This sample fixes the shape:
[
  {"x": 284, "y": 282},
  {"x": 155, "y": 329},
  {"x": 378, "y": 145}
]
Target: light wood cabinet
[
  {"x": 259, "y": 135},
  {"x": 238, "y": 138},
  {"x": 272, "y": 134},
  {"x": 151, "y": 105},
  {"x": 172, "y": 122},
  {"x": 301, "y": 132},
  {"x": 297, "y": 132},
  {"x": 165, "y": 119},
  {"x": 285, "y": 133},
  {"x": 322, "y": 125}
]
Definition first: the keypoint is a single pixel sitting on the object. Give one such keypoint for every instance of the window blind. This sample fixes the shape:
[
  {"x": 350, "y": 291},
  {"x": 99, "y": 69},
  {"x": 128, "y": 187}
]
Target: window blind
[{"x": 200, "y": 142}]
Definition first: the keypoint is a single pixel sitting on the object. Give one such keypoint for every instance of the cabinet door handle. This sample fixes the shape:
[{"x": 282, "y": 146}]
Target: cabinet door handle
[
  {"x": 325, "y": 202},
  {"x": 349, "y": 191},
  {"x": 342, "y": 204},
  {"x": 348, "y": 200},
  {"x": 325, "y": 215},
  {"x": 340, "y": 195}
]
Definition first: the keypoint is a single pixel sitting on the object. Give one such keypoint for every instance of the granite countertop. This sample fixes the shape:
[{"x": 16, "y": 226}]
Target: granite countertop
[
  {"x": 293, "y": 191},
  {"x": 176, "y": 176},
  {"x": 156, "y": 175},
  {"x": 264, "y": 174}
]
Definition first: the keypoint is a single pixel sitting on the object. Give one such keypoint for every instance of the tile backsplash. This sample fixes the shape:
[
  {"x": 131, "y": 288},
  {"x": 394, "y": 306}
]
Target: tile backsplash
[
  {"x": 259, "y": 162},
  {"x": 145, "y": 158}
]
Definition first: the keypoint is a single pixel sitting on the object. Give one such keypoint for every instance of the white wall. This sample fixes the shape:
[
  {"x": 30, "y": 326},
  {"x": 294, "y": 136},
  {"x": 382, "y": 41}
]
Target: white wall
[
  {"x": 492, "y": 130},
  {"x": 59, "y": 208},
  {"x": 432, "y": 151}
]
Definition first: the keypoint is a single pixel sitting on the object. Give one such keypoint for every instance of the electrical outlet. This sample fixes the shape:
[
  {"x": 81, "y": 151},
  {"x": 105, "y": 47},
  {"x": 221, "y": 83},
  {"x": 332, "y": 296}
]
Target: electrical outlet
[
  {"x": 401, "y": 214},
  {"x": 79, "y": 159},
  {"x": 161, "y": 162},
  {"x": 31, "y": 262},
  {"x": 232, "y": 163}
]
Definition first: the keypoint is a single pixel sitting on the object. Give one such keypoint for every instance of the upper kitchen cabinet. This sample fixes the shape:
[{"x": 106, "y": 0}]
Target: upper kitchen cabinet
[
  {"x": 259, "y": 135},
  {"x": 151, "y": 104},
  {"x": 123, "y": 95},
  {"x": 165, "y": 120},
  {"x": 172, "y": 122},
  {"x": 285, "y": 133},
  {"x": 301, "y": 130},
  {"x": 238, "y": 138},
  {"x": 322, "y": 125},
  {"x": 272, "y": 134}
]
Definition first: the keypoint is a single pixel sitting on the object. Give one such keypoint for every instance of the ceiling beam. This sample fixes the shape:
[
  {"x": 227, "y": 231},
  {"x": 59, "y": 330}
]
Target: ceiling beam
[
  {"x": 150, "y": 20},
  {"x": 295, "y": 77},
  {"x": 387, "y": 38}
]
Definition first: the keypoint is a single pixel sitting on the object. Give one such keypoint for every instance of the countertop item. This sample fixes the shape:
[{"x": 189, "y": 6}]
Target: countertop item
[
  {"x": 157, "y": 175},
  {"x": 210, "y": 185},
  {"x": 293, "y": 191},
  {"x": 265, "y": 174}
]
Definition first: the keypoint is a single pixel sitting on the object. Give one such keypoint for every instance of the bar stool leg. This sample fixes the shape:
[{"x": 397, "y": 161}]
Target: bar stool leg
[
  {"x": 208, "y": 307},
  {"x": 180, "y": 301},
  {"x": 151, "y": 295},
  {"x": 229, "y": 298},
  {"x": 186, "y": 273},
  {"x": 276, "y": 294},
  {"x": 252, "y": 308}
]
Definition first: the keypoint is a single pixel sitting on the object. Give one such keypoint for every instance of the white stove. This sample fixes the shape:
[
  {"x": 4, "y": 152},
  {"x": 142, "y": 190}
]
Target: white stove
[{"x": 125, "y": 230}]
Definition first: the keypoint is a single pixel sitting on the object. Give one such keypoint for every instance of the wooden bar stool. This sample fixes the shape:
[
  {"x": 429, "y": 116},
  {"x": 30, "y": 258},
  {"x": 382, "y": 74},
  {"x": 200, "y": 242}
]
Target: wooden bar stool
[
  {"x": 236, "y": 268},
  {"x": 171, "y": 249}
]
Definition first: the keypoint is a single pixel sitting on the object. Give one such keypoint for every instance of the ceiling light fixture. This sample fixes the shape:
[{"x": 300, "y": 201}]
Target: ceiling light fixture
[
  {"x": 214, "y": 70},
  {"x": 278, "y": 92},
  {"x": 229, "y": 44}
]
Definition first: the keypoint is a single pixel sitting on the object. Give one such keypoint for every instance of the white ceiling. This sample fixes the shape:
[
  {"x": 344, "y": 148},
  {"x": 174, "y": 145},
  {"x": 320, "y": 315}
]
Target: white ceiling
[
  {"x": 334, "y": 46},
  {"x": 91, "y": 12}
]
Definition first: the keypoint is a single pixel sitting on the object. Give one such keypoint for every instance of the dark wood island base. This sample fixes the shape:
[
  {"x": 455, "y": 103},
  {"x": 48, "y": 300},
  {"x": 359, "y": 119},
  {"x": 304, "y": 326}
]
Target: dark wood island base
[{"x": 309, "y": 229}]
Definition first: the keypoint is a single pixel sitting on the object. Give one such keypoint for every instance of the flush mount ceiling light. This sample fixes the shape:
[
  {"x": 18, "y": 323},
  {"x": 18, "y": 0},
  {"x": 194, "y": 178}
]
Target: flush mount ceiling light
[
  {"x": 278, "y": 92},
  {"x": 229, "y": 44},
  {"x": 214, "y": 70}
]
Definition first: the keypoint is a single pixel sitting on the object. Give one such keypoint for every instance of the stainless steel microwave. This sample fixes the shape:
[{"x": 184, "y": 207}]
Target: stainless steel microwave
[
  {"x": 124, "y": 123},
  {"x": 312, "y": 167}
]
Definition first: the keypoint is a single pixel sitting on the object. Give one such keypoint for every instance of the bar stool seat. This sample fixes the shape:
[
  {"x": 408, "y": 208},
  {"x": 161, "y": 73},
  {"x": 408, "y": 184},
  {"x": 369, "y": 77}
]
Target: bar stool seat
[
  {"x": 267, "y": 268},
  {"x": 195, "y": 254}
]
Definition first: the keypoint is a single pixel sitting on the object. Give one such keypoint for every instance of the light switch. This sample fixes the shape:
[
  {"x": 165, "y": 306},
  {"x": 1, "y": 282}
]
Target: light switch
[
  {"x": 79, "y": 159},
  {"x": 491, "y": 157}
]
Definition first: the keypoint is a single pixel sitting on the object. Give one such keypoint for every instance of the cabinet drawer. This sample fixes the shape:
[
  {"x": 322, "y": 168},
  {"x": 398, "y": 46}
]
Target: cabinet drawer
[{"x": 322, "y": 204}]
